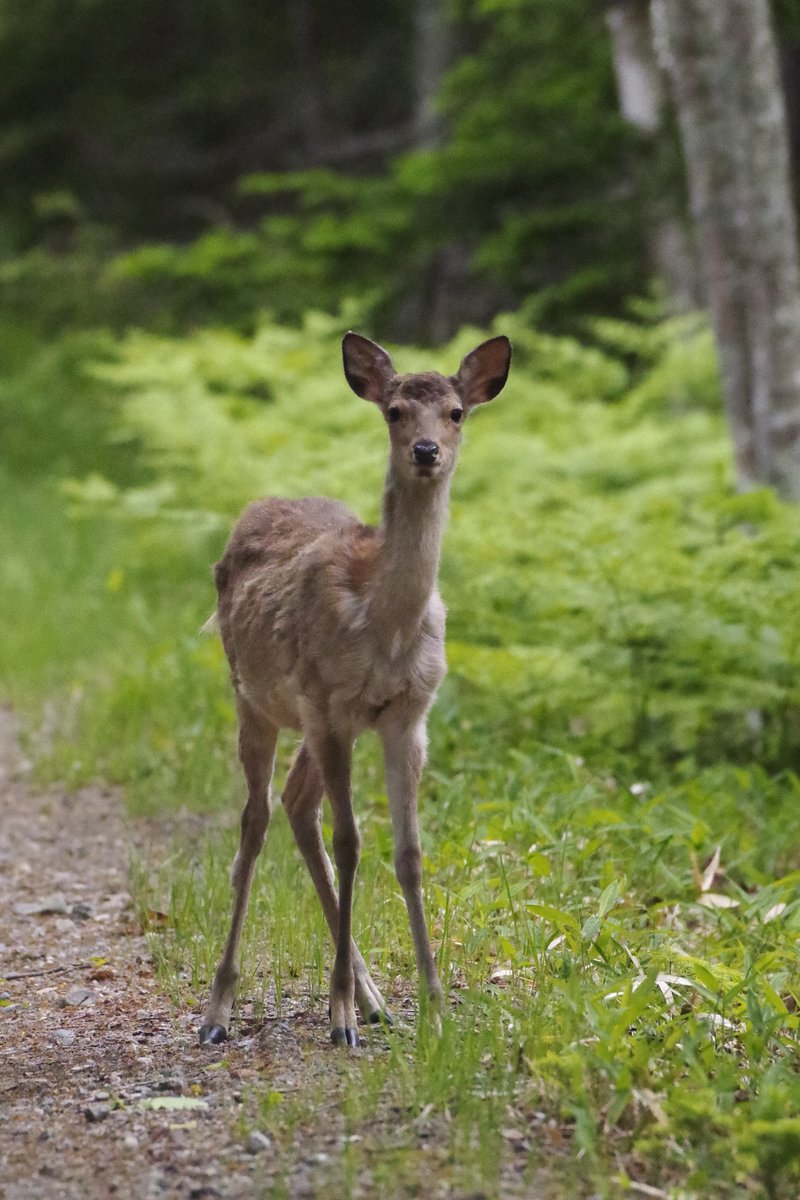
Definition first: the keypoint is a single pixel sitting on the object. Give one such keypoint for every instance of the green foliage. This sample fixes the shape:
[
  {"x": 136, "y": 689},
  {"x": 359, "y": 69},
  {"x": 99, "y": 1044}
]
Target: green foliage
[
  {"x": 611, "y": 816},
  {"x": 626, "y": 597},
  {"x": 53, "y": 291},
  {"x": 54, "y": 421},
  {"x": 610, "y": 819},
  {"x": 598, "y": 998},
  {"x": 539, "y": 77},
  {"x": 501, "y": 208},
  {"x": 495, "y": 204},
  {"x": 150, "y": 114},
  {"x": 342, "y": 241},
  {"x": 254, "y": 158}
]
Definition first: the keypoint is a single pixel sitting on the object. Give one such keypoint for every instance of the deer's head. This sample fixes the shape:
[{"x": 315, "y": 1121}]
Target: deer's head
[{"x": 425, "y": 412}]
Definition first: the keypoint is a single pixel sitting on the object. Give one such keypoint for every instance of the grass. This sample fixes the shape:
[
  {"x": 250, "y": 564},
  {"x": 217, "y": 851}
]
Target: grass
[
  {"x": 592, "y": 977},
  {"x": 611, "y": 816}
]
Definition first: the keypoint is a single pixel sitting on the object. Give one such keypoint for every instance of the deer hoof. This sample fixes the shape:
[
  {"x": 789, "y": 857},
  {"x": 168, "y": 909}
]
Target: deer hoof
[
  {"x": 212, "y": 1035},
  {"x": 381, "y": 1018},
  {"x": 344, "y": 1037}
]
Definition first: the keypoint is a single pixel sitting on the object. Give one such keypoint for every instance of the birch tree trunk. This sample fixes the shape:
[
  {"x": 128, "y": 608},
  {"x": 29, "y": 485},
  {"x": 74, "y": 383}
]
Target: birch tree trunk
[
  {"x": 641, "y": 88},
  {"x": 722, "y": 60}
]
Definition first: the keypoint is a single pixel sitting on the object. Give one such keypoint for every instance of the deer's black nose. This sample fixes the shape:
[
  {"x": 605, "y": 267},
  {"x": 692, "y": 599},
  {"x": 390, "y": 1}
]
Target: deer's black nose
[{"x": 425, "y": 453}]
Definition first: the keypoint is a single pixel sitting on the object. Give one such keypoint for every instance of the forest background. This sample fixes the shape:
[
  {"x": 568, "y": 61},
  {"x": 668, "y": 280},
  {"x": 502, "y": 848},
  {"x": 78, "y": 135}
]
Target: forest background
[{"x": 198, "y": 200}]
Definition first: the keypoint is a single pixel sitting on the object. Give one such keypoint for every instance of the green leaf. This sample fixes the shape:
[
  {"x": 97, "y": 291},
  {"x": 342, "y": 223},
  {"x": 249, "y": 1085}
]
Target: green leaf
[
  {"x": 609, "y": 898},
  {"x": 591, "y": 928},
  {"x": 562, "y": 919}
]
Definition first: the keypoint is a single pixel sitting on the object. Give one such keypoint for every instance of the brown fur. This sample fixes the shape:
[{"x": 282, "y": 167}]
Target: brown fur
[{"x": 362, "y": 560}]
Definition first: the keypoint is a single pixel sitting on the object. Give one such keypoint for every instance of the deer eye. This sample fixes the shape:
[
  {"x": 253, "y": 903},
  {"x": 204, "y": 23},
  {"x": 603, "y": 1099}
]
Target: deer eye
[
  {"x": 456, "y": 415},
  {"x": 394, "y": 413}
]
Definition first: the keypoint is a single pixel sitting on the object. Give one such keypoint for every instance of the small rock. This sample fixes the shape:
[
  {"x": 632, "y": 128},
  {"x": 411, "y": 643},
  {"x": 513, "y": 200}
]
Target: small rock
[
  {"x": 256, "y": 1142},
  {"x": 64, "y": 1037},
  {"x": 171, "y": 1081},
  {"x": 156, "y": 1184},
  {"x": 130, "y": 1141},
  {"x": 102, "y": 1096},
  {"x": 81, "y": 911},
  {"x": 74, "y": 997},
  {"x": 96, "y": 1112},
  {"x": 35, "y": 908}
]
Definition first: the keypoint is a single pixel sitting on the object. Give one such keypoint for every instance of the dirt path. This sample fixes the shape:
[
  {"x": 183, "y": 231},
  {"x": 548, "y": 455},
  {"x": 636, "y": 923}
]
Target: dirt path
[
  {"x": 89, "y": 1049},
  {"x": 104, "y": 1091}
]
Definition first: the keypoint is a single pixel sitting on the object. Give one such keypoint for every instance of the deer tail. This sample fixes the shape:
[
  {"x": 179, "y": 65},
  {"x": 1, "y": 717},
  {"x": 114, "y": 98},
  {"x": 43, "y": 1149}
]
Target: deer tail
[{"x": 211, "y": 625}]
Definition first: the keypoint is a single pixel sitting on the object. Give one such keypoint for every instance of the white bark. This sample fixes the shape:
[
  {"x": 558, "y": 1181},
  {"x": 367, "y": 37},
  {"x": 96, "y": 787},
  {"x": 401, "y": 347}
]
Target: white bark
[
  {"x": 642, "y": 92},
  {"x": 641, "y": 95},
  {"x": 722, "y": 60}
]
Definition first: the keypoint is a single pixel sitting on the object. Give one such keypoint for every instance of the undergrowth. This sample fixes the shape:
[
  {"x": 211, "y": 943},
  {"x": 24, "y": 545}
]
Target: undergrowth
[{"x": 611, "y": 817}]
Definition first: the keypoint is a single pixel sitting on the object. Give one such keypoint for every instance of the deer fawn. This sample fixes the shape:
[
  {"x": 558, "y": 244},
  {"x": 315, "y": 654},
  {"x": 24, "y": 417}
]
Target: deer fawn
[{"x": 332, "y": 627}]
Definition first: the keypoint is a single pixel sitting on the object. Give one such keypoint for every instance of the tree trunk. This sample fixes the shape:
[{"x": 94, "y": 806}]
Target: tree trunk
[
  {"x": 642, "y": 99},
  {"x": 448, "y": 270},
  {"x": 641, "y": 95},
  {"x": 310, "y": 99},
  {"x": 790, "y": 78},
  {"x": 722, "y": 60},
  {"x": 431, "y": 59}
]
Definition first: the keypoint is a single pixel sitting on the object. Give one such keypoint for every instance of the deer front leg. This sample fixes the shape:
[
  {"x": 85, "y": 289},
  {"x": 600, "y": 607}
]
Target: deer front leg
[
  {"x": 257, "y": 739},
  {"x": 404, "y": 748},
  {"x": 334, "y": 757}
]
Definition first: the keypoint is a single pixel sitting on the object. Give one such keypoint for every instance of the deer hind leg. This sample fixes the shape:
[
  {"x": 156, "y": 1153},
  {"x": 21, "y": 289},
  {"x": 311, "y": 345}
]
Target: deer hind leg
[
  {"x": 257, "y": 738},
  {"x": 334, "y": 760},
  {"x": 302, "y": 800}
]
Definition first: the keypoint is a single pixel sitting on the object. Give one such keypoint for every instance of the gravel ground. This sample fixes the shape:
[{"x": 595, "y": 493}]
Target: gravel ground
[{"x": 103, "y": 1089}]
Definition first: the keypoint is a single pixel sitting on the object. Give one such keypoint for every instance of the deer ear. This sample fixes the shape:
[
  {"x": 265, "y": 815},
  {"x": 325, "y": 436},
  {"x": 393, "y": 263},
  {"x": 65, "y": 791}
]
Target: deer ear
[
  {"x": 484, "y": 371},
  {"x": 367, "y": 367}
]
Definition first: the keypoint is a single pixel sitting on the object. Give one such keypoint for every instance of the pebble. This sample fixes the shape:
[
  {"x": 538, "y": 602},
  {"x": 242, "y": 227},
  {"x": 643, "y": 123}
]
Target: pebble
[
  {"x": 74, "y": 997},
  {"x": 50, "y": 904},
  {"x": 256, "y": 1142},
  {"x": 96, "y": 1112},
  {"x": 157, "y": 1183},
  {"x": 171, "y": 1081},
  {"x": 64, "y": 1037}
]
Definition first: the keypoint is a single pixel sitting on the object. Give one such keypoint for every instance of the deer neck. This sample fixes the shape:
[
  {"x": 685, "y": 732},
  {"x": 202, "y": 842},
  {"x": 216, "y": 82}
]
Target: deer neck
[{"x": 412, "y": 527}]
